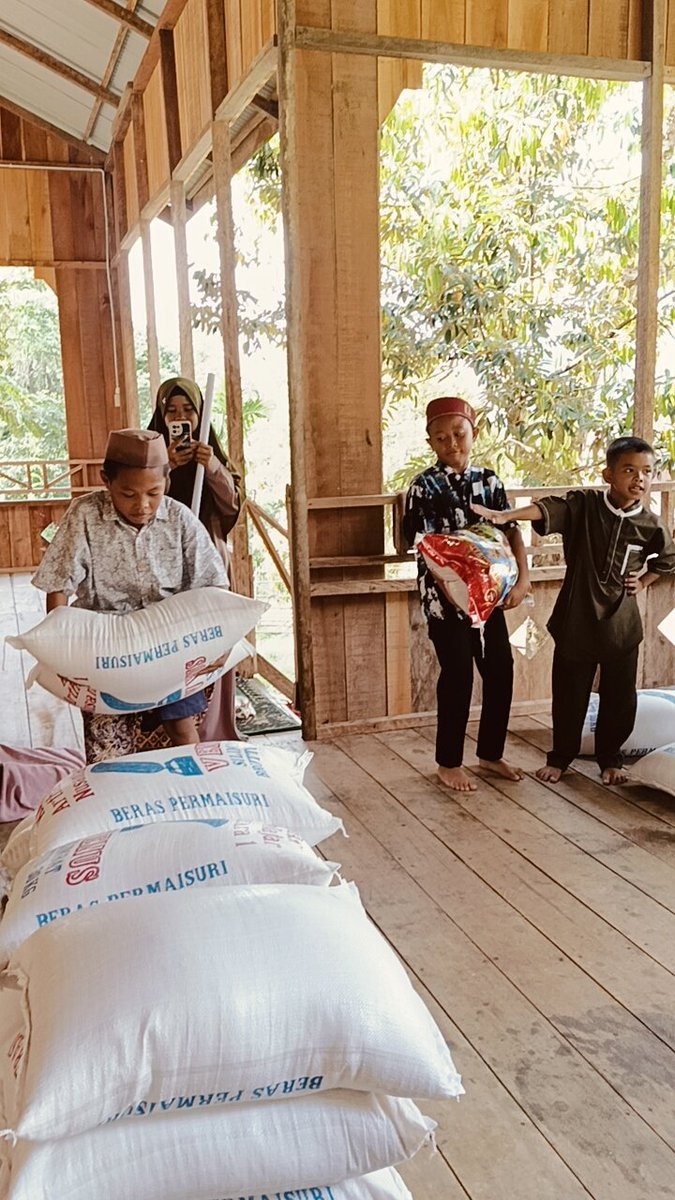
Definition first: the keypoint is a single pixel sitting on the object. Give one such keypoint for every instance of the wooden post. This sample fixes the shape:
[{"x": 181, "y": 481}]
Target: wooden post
[
  {"x": 179, "y": 219},
  {"x": 222, "y": 175},
  {"x": 150, "y": 312},
  {"x": 286, "y": 21},
  {"x": 127, "y": 337},
  {"x": 650, "y": 220}
]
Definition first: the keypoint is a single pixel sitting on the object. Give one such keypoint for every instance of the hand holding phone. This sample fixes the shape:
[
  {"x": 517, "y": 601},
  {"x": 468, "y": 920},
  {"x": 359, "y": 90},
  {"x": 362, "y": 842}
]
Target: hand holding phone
[{"x": 180, "y": 433}]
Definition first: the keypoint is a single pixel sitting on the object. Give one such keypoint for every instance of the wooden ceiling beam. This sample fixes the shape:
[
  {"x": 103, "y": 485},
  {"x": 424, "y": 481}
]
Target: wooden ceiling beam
[
  {"x": 115, "y": 54},
  {"x": 58, "y": 67},
  {"x": 124, "y": 16}
]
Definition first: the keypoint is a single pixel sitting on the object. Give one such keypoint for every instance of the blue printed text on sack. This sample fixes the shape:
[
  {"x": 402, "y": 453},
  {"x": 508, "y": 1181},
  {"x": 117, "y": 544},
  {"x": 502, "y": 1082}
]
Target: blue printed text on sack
[{"x": 114, "y": 662}]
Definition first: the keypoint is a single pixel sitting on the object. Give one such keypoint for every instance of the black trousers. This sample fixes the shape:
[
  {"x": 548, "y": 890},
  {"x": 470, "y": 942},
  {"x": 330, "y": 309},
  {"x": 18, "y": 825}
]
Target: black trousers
[
  {"x": 457, "y": 647},
  {"x": 572, "y": 684}
]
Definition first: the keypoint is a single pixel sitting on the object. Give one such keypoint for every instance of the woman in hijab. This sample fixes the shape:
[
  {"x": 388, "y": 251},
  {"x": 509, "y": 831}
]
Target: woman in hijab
[{"x": 181, "y": 400}]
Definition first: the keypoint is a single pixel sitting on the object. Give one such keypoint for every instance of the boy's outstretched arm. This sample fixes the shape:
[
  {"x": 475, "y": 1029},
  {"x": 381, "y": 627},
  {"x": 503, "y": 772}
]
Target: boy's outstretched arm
[
  {"x": 529, "y": 512},
  {"x": 522, "y": 585},
  {"x": 56, "y": 600}
]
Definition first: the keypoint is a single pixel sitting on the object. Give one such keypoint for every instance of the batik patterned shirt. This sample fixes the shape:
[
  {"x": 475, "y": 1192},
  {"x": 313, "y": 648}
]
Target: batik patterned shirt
[
  {"x": 111, "y": 566},
  {"x": 439, "y": 501}
]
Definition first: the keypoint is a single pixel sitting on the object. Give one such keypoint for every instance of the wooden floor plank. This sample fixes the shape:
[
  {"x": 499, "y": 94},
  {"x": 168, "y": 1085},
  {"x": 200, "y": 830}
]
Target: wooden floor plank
[
  {"x": 14, "y": 723},
  {"x": 521, "y": 1161},
  {"x": 580, "y": 1009},
  {"x": 499, "y": 805},
  {"x": 633, "y": 978},
  {"x": 606, "y": 1145}
]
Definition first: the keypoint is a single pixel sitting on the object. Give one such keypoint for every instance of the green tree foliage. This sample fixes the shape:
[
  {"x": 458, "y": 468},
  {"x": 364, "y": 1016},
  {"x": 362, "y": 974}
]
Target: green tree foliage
[
  {"x": 32, "y": 410},
  {"x": 509, "y": 238}
]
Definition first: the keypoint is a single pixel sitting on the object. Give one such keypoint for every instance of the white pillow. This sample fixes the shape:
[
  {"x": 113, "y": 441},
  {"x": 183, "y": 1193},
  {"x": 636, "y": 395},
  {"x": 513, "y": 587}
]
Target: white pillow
[
  {"x": 170, "y": 857},
  {"x": 139, "y": 659},
  {"x": 242, "y": 1151},
  {"x": 184, "y": 783},
  {"x": 657, "y": 770},
  {"x": 237, "y": 994}
]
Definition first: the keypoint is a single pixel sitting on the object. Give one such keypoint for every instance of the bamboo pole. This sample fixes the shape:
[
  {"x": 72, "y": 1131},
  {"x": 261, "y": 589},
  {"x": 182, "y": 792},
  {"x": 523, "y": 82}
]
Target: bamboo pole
[
  {"x": 179, "y": 221},
  {"x": 650, "y": 222},
  {"x": 222, "y": 175},
  {"x": 302, "y": 603}
]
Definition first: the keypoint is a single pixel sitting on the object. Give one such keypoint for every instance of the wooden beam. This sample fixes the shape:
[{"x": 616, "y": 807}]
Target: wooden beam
[
  {"x": 651, "y": 180},
  {"x": 271, "y": 107},
  {"x": 222, "y": 174},
  {"x": 113, "y": 60},
  {"x": 215, "y": 17},
  {"x": 276, "y": 677},
  {"x": 352, "y": 501},
  {"x": 374, "y": 45},
  {"x": 140, "y": 150},
  {"x": 179, "y": 220},
  {"x": 124, "y": 16},
  {"x": 150, "y": 312},
  {"x": 119, "y": 192},
  {"x": 259, "y": 73},
  {"x": 58, "y": 67},
  {"x": 125, "y": 325},
  {"x": 302, "y": 601},
  {"x": 170, "y": 88},
  {"x": 250, "y": 140},
  {"x": 49, "y": 263}
]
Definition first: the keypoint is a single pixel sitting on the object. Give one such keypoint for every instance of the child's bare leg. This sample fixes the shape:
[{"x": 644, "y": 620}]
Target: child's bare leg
[
  {"x": 182, "y": 731},
  {"x": 550, "y": 774},
  {"x": 457, "y": 779},
  {"x": 501, "y": 767},
  {"x": 614, "y": 775}
]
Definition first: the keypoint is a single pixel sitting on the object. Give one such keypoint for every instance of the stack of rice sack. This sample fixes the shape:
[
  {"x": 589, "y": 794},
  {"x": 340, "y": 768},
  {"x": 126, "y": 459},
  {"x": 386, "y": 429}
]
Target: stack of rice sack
[
  {"x": 652, "y": 740},
  {"x": 188, "y": 1011}
]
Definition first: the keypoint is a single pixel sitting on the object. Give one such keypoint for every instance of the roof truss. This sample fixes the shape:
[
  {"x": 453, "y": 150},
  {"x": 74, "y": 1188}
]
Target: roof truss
[
  {"x": 59, "y": 67},
  {"x": 124, "y": 16}
]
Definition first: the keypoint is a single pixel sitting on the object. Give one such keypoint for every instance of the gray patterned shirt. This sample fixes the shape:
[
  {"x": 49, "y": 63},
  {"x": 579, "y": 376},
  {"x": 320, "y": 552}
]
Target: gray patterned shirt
[{"x": 110, "y": 566}]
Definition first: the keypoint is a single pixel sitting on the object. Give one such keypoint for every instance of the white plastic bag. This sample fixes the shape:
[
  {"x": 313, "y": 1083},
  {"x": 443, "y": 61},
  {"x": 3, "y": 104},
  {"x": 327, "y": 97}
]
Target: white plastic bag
[
  {"x": 657, "y": 770},
  {"x": 654, "y": 722},
  {"x": 211, "y": 779},
  {"x": 243, "y": 993},
  {"x": 139, "y": 659},
  {"x": 250, "y": 1150},
  {"x": 170, "y": 857}
]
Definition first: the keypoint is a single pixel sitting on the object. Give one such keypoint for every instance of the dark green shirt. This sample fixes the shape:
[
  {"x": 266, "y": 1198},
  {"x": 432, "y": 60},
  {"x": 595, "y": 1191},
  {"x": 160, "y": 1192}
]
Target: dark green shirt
[{"x": 594, "y": 617}]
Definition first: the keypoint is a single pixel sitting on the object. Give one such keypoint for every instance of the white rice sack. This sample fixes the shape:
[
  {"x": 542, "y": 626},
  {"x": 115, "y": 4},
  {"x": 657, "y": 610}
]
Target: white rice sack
[
  {"x": 140, "y": 659},
  {"x": 81, "y": 694},
  {"x": 654, "y": 722},
  {"x": 187, "y": 783},
  {"x": 249, "y": 1151},
  {"x": 235, "y": 994},
  {"x": 162, "y": 858},
  {"x": 657, "y": 770}
]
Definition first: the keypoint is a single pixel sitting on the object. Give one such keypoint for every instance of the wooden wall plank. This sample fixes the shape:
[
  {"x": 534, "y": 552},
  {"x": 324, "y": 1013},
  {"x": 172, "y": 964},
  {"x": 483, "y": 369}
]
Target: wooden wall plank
[
  {"x": 170, "y": 92},
  {"x": 19, "y": 536},
  {"x": 636, "y": 17},
  {"x": 215, "y": 18},
  {"x": 487, "y": 23},
  {"x": 233, "y": 40},
  {"x": 443, "y": 20},
  {"x": 17, "y": 213},
  {"x": 133, "y": 208},
  {"x": 5, "y": 544},
  {"x": 155, "y": 132},
  {"x": 399, "y": 690},
  {"x": 77, "y": 425},
  {"x": 192, "y": 71},
  {"x": 670, "y": 34},
  {"x": 140, "y": 148},
  {"x": 268, "y": 19},
  {"x": 528, "y": 24},
  {"x": 568, "y": 27},
  {"x": 608, "y": 28},
  {"x": 393, "y": 75},
  {"x": 251, "y": 32}
]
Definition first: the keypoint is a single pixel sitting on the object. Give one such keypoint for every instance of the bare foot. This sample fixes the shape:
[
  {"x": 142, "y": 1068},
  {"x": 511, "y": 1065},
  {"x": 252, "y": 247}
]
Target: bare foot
[
  {"x": 613, "y": 775},
  {"x": 549, "y": 774},
  {"x": 457, "y": 779},
  {"x": 501, "y": 767}
]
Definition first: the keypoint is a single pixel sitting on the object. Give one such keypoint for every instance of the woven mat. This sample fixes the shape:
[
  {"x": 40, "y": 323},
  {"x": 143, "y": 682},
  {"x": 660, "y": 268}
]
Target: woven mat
[{"x": 269, "y": 715}]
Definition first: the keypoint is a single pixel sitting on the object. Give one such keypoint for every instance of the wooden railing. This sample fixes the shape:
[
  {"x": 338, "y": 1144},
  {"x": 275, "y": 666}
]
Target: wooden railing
[{"x": 47, "y": 479}]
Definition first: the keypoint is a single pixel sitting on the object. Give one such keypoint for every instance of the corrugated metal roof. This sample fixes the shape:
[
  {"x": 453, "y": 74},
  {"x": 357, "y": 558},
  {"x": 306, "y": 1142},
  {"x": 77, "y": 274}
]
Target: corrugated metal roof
[{"x": 82, "y": 37}]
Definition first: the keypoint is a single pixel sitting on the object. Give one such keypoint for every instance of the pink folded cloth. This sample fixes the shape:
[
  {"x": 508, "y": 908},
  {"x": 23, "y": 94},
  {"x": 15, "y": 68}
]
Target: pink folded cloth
[{"x": 28, "y": 774}]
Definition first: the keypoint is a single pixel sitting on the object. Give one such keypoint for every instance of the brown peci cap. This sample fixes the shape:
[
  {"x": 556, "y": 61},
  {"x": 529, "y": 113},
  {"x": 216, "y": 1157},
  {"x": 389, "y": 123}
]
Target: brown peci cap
[
  {"x": 450, "y": 406},
  {"x": 137, "y": 448}
]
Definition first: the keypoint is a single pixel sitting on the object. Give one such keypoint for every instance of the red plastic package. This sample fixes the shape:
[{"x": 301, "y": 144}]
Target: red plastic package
[{"x": 474, "y": 567}]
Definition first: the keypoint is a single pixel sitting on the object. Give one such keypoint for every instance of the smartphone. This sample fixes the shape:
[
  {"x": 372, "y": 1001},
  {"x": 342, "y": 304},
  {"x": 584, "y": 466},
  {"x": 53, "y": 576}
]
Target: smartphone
[{"x": 180, "y": 432}]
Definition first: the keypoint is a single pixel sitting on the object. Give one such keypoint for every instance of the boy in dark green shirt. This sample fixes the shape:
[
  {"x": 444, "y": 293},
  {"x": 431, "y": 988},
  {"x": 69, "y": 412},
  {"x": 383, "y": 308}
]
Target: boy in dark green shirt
[{"x": 614, "y": 548}]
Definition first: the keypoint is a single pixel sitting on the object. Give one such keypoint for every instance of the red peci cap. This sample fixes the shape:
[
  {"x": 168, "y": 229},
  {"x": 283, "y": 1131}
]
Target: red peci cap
[{"x": 450, "y": 406}]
